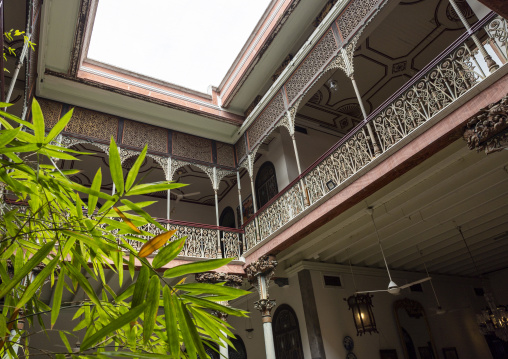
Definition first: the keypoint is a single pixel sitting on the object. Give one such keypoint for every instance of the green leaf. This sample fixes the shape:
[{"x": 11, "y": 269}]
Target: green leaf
[
  {"x": 57, "y": 297},
  {"x": 83, "y": 282},
  {"x": 168, "y": 253},
  {"x": 8, "y": 136},
  {"x": 222, "y": 290},
  {"x": 3, "y": 326},
  {"x": 96, "y": 186},
  {"x": 154, "y": 187},
  {"x": 65, "y": 341},
  {"x": 196, "y": 267},
  {"x": 38, "y": 121},
  {"x": 133, "y": 173},
  {"x": 115, "y": 324},
  {"x": 202, "y": 302},
  {"x": 115, "y": 167},
  {"x": 171, "y": 324},
  {"x": 142, "y": 213},
  {"x": 152, "y": 299},
  {"x": 37, "y": 283},
  {"x": 155, "y": 243},
  {"x": 189, "y": 332},
  {"x": 59, "y": 127},
  {"x": 36, "y": 259},
  {"x": 140, "y": 288},
  {"x": 88, "y": 191}
]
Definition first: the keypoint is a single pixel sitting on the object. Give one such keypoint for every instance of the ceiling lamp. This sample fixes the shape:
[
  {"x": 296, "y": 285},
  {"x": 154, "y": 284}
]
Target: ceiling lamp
[
  {"x": 363, "y": 316},
  {"x": 333, "y": 85}
]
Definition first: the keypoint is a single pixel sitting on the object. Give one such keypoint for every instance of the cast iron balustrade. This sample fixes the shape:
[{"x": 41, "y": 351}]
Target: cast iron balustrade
[{"x": 451, "y": 75}]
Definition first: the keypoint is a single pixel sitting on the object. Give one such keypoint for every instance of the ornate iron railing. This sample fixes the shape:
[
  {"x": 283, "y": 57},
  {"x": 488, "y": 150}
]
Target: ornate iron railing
[{"x": 451, "y": 75}]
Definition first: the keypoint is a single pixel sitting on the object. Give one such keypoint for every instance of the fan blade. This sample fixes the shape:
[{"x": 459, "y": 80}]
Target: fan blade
[
  {"x": 372, "y": 291},
  {"x": 415, "y": 282},
  {"x": 191, "y": 194}
]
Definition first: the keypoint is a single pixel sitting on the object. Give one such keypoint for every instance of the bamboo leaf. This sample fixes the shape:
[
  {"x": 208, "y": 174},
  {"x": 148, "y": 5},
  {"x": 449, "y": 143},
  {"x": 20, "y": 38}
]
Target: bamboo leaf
[
  {"x": 155, "y": 243},
  {"x": 65, "y": 340},
  {"x": 38, "y": 122},
  {"x": 168, "y": 253},
  {"x": 8, "y": 136},
  {"x": 171, "y": 324},
  {"x": 88, "y": 191},
  {"x": 3, "y": 326},
  {"x": 214, "y": 306},
  {"x": 59, "y": 127},
  {"x": 127, "y": 220},
  {"x": 196, "y": 267},
  {"x": 140, "y": 288},
  {"x": 37, "y": 258},
  {"x": 115, "y": 324},
  {"x": 142, "y": 213},
  {"x": 37, "y": 283},
  {"x": 222, "y": 290},
  {"x": 57, "y": 297},
  {"x": 83, "y": 282},
  {"x": 115, "y": 167},
  {"x": 154, "y": 187},
  {"x": 189, "y": 332},
  {"x": 133, "y": 172},
  {"x": 96, "y": 186},
  {"x": 152, "y": 299}
]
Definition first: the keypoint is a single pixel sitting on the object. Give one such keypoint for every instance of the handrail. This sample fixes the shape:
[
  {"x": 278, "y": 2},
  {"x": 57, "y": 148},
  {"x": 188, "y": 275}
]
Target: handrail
[{"x": 458, "y": 45}]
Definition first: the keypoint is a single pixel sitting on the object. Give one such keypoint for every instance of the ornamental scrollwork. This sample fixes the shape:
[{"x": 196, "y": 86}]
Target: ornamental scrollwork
[
  {"x": 264, "y": 266},
  {"x": 498, "y": 32},
  {"x": 265, "y": 306},
  {"x": 232, "y": 280},
  {"x": 488, "y": 129}
]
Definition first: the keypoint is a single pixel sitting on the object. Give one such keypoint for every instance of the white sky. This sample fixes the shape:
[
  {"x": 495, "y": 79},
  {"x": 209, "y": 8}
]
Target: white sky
[{"x": 191, "y": 43}]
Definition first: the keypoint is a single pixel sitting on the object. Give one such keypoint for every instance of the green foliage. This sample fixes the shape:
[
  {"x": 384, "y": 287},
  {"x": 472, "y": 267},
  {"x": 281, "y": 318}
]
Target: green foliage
[
  {"x": 9, "y": 37},
  {"x": 71, "y": 245}
]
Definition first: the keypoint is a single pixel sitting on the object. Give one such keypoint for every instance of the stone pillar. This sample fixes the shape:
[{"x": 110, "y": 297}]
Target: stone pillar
[
  {"x": 231, "y": 280},
  {"x": 259, "y": 274}
]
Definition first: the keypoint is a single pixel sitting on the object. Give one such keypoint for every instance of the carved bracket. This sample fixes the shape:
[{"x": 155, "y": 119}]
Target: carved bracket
[
  {"x": 232, "y": 280},
  {"x": 488, "y": 130}
]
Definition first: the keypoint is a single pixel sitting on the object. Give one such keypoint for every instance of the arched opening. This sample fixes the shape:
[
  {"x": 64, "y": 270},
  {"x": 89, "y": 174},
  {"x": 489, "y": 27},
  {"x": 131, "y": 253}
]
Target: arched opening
[
  {"x": 240, "y": 352},
  {"x": 286, "y": 334},
  {"x": 227, "y": 218},
  {"x": 266, "y": 184}
]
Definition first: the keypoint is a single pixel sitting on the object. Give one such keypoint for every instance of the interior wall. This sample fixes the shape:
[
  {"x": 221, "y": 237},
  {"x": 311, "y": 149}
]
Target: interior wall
[
  {"x": 456, "y": 328},
  {"x": 289, "y": 295}
]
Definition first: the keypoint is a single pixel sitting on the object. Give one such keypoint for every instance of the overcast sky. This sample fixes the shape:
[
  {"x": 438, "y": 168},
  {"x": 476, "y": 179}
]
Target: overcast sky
[{"x": 191, "y": 43}]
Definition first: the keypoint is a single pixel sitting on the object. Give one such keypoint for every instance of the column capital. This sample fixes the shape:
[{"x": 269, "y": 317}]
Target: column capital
[
  {"x": 264, "y": 266},
  {"x": 232, "y": 280},
  {"x": 265, "y": 306}
]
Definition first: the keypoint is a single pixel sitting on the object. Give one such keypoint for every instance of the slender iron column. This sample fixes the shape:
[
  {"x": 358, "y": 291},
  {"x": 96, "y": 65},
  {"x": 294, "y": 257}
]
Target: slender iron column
[
  {"x": 231, "y": 280},
  {"x": 254, "y": 201},
  {"x": 215, "y": 189},
  {"x": 299, "y": 167},
  {"x": 259, "y": 274},
  {"x": 168, "y": 202},
  {"x": 241, "y": 208},
  {"x": 491, "y": 64}
]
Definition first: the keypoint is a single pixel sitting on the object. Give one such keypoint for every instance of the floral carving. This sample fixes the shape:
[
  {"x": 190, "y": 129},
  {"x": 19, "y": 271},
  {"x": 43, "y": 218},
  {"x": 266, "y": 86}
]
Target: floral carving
[
  {"x": 487, "y": 130},
  {"x": 264, "y": 266},
  {"x": 232, "y": 280}
]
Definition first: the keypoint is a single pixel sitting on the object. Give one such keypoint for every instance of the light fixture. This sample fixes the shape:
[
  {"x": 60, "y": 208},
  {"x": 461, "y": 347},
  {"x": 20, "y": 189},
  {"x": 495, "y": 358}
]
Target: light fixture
[
  {"x": 494, "y": 319},
  {"x": 333, "y": 85},
  {"x": 363, "y": 316},
  {"x": 330, "y": 185},
  {"x": 249, "y": 329}
]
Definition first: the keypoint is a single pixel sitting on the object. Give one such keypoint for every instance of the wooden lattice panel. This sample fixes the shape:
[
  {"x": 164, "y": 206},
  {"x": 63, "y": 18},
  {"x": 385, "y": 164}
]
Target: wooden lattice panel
[
  {"x": 192, "y": 147},
  {"x": 266, "y": 120},
  {"x": 353, "y": 15},
  {"x": 51, "y": 111},
  {"x": 138, "y": 134},
  {"x": 225, "y": 155},
  {"x": 93, "y": 124}
]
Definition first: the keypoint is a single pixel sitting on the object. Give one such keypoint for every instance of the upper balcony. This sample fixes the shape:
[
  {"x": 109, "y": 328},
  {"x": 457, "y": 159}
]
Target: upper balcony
[{"x": 412, "y": 64}]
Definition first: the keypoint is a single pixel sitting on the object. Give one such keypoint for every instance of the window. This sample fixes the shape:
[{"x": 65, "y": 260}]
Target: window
[
  {"x": 286, "y": 334},
  {"x": 266, "y": 184}
]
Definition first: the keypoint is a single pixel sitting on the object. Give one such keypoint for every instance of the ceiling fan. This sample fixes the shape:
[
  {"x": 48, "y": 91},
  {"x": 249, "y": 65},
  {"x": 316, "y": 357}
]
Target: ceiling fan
[
  {"x": 181, "y": 196},
  {"x": 393, "y": 288}
]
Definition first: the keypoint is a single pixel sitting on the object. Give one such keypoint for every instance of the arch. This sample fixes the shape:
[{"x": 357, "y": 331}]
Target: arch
[
  {"x": 266, "y": 183},
  {"x": 240, "y": 352},
  {"x": 227, "y": 218},
  {"x": 286, "y": 334}
]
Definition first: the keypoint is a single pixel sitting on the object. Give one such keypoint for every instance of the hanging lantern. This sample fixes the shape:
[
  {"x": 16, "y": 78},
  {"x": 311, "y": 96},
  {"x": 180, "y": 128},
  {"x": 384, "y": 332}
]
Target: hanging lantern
[{"x": 363, "y": 316}]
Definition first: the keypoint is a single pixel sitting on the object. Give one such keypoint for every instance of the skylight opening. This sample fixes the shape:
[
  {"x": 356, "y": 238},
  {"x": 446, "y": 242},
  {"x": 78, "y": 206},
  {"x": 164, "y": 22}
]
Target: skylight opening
[{"x": 189, "y": 43}]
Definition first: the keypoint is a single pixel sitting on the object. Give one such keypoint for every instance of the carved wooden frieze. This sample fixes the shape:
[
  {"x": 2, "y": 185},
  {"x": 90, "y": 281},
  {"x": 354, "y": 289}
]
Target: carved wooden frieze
[
  {"x": 488, "y": 130},
  {"x": 353, "y": 15},
  {"x": 266, "y": 120},
  {"x": 139, "y": 134},
  {"x": 263, "y": 266},
  {"x": 252, "y": 105},
  {"x": 225, "y": 154},
  {"x": 93, "y": 124},
  {"x": 232, "y": 280},
  {"x": 192, "y": 147},
  {"x": 51, "y": 110},
  {"x": 240, "y": 148}
]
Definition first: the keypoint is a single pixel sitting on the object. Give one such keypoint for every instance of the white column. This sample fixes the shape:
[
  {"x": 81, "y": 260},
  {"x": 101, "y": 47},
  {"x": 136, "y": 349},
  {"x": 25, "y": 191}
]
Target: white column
[
  {"x": 240, "y": 206},
  {"x": 168, "y": 202},
  {"x": 269, "y": 344},
  {"x": 223, "y": 349}
]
